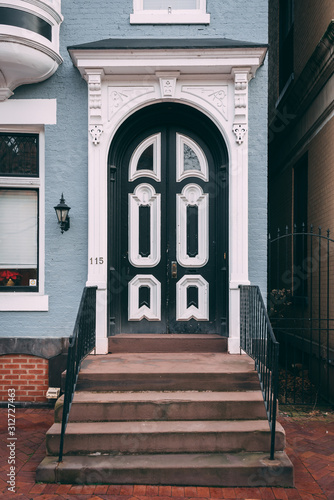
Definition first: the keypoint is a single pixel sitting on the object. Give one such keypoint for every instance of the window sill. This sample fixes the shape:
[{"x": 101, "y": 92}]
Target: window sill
[
  {"x": 23, "y": 302},
  {"x": 180, "y": 17}
]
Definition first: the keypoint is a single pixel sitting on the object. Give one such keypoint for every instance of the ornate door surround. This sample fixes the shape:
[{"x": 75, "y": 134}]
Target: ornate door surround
[
  {"x": 212, "y": 76},
  {"x": 168, "y": 214}
]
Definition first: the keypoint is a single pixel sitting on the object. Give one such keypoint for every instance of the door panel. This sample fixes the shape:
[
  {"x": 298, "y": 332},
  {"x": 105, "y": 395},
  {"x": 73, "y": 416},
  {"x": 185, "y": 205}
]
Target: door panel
[
  {"x": 144, "y": 228},
  {"x": 168, "y": 235},
  {"x": 192, "y": 227}
]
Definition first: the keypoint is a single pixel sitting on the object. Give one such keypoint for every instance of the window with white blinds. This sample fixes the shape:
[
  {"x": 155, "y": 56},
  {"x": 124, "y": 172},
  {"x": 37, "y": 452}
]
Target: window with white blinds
[
  {"x": 18, "y": 228},
  {"x": 18, "y": 240}
]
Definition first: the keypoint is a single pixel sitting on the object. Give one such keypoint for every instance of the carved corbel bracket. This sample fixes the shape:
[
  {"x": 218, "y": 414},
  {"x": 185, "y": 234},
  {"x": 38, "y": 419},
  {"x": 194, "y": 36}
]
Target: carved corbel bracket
[
  {"x": 94, "y": 80},
  {"x": 167, "y": 82},
  {"x": 96, "y": 131},
  {"x": 240, "y": 123}
]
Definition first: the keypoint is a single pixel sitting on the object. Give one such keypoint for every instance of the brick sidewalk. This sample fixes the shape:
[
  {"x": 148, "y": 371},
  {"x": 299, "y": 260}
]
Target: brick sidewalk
[{"x": 310, "y": 446}]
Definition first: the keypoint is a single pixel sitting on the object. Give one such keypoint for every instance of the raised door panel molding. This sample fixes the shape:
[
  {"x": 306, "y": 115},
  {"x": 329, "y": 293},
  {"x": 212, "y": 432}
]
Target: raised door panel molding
[
  {"x": 192, "y": 208},
  {"x": 144, "y": 226},
  {"x": 144, "y": 305},
  {"x": 190, "y": 159},
  {"x": 146, "y": 159},
  {"x": 186, "y": 309}
]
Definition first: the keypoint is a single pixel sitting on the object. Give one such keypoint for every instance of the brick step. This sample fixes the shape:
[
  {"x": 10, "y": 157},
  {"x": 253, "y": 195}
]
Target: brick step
[
  {"x": 116, "y": 406},
  {"x": 209, "y": 436},
  {"x": 131, "y": 342},
  {"x": 230, "y": 470},
  {"x": 167, "y": 372}
]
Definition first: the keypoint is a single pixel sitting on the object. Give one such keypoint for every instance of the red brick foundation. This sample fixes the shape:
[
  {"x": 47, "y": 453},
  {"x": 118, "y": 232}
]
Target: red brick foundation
[{"x": 28, "y": 375}]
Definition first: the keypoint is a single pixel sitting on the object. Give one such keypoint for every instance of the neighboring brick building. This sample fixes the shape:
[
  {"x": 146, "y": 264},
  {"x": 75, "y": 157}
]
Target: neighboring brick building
[
  {"x": 301, "y": 94},
  {"x": 301, "y": 176}
]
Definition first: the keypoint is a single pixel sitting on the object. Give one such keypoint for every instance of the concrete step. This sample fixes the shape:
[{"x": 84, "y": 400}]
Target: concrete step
[
  {"x": 191, "y": 405},
  {"x": 167, "y": 372},
  {"x": 210, "y": 436},
  {"x": 131, "y": 342},
  {"x": 230, "y": 470}
]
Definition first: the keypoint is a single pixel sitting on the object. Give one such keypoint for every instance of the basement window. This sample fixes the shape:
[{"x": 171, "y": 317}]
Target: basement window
[{"x": 169, "y": 12}]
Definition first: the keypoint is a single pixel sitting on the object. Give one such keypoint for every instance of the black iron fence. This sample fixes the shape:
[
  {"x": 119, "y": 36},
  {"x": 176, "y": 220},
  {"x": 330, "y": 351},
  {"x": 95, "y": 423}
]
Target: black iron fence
[
  {"x": 81, "y": 343},
  {"x": 258, "y": 341},
  {"x": 301, "y": 310}
]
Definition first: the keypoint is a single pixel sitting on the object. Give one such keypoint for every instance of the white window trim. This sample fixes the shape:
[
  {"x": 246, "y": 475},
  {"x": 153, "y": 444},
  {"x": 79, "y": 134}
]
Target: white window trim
[
  {"x": 29, "y": 301},
  {"x": 189, "y": 16}
]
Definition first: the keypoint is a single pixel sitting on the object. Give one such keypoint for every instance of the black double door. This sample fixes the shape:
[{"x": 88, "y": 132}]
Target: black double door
[{"x": 168, "y": 255}]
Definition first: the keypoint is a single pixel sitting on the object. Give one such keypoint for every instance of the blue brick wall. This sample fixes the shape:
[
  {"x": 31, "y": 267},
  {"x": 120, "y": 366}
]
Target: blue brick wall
[{"x": 66, "y": 148}]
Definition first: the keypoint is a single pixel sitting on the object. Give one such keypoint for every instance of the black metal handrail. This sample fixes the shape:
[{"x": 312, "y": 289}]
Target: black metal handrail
[
  {"x": 259, "y": 342},
  {"x": 81, "y": 343}
]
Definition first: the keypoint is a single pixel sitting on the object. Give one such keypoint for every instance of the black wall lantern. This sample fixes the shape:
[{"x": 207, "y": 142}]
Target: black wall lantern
[{"x": 62, "y": 214}]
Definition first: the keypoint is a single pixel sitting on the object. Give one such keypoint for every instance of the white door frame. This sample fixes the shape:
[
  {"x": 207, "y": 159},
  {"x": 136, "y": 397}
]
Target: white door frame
[{"x": 120, "y": 82}]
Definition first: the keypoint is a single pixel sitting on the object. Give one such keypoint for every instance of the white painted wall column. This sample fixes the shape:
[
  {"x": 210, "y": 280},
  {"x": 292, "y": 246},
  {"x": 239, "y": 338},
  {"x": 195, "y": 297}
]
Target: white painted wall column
[
  {"x": 238, "y": 254},
  {"x": 97, "y": 208}
]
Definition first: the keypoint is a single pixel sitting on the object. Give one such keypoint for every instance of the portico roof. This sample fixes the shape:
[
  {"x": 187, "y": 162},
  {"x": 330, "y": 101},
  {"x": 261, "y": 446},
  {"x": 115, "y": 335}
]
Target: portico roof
[
  {"x": 166, "y": 43},
  {"x": 145, "y": 56}
]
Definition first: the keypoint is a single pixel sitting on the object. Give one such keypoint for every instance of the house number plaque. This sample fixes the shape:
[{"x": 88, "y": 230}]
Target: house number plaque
[{"x": 96, "y": 260}]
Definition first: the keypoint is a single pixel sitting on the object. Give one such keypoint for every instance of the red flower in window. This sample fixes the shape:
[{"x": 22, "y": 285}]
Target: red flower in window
[{"x": 6, "y": 275}]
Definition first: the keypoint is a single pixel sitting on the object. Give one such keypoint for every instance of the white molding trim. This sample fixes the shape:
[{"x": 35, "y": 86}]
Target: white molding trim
[
  {"x": 200, "y": 313},
  {"x": 152, "y": 174},
  {"x": 24, "y": 302},
  {"x": 28, "y": 112},
  {"x": 29, "y": 301},
  {"x": 136, "y": 74},
  {"x": 240, "y": 124},
  {"x": 132, "y": 64},
  {"x": 176, "y": 16},
  {"x": 152, "y": 313},
  {"x": 192, "y": 195},
  {"x": 181, "y": 173},
  {"x": 144, "y": 195}
]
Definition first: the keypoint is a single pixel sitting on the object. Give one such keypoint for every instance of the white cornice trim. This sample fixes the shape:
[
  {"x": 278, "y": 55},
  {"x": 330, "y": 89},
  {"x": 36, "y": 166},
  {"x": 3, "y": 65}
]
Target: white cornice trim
[
  {"x": 28, "y": 112},
  {"x": 148, "y": 61},
  {"x": 28, "y": 42},
  {"x": 176, "y": 17}
]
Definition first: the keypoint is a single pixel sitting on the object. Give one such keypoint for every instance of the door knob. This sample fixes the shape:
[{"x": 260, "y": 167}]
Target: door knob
[{"x": 174, "y": 269}]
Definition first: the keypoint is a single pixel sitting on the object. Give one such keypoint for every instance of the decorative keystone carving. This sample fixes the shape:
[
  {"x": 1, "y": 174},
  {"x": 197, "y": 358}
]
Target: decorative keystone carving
[
  {"x": 96, "y": 131},
  {"x": 167, "y": 82},
  {"x": 167, "y": 86}
]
